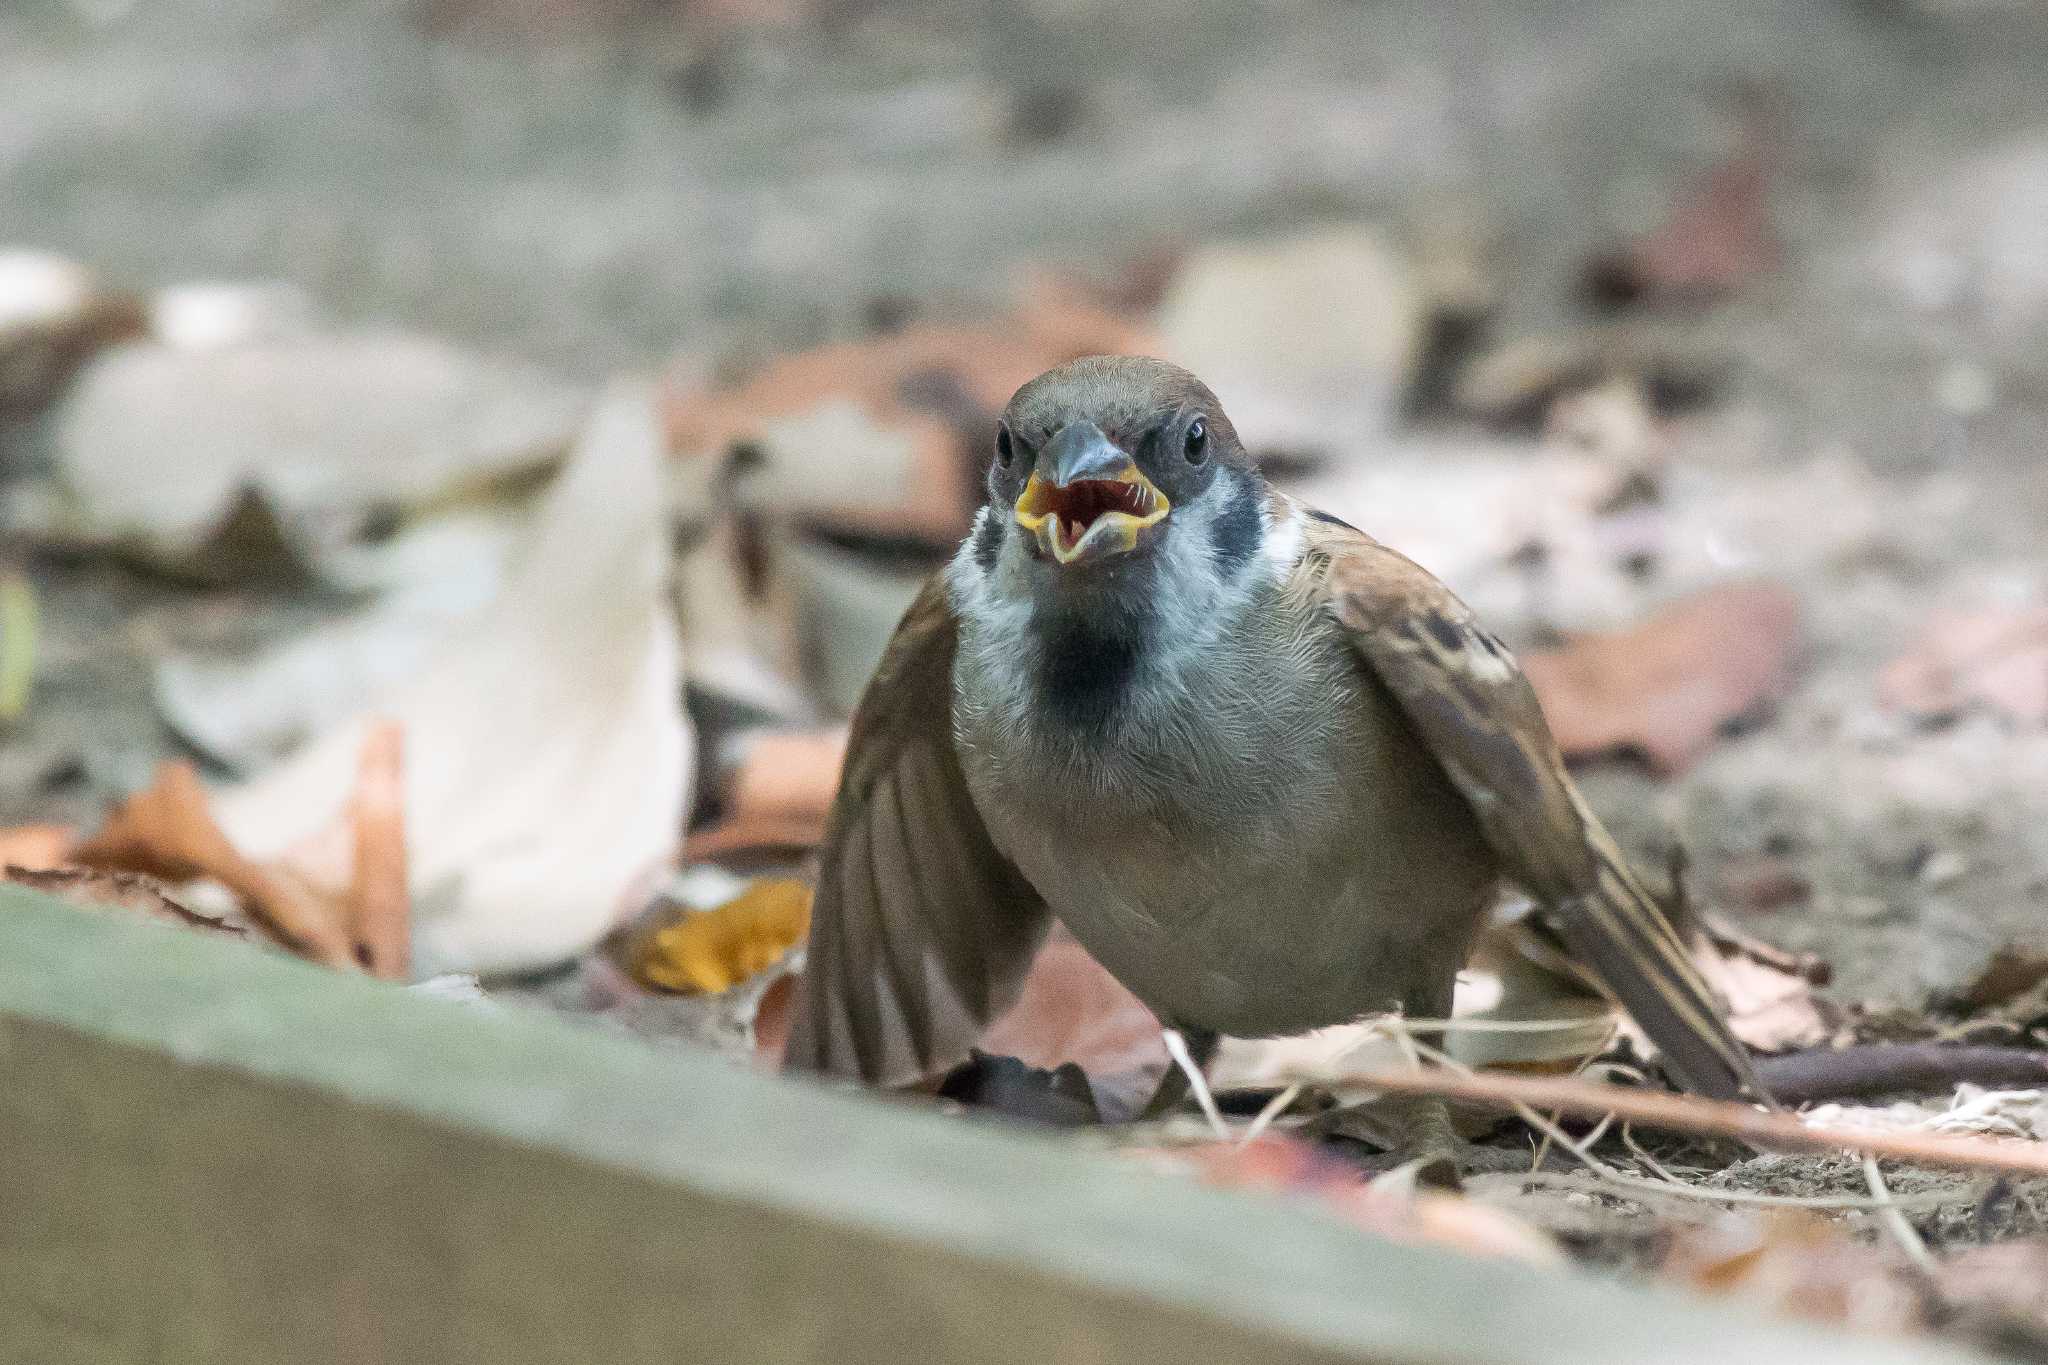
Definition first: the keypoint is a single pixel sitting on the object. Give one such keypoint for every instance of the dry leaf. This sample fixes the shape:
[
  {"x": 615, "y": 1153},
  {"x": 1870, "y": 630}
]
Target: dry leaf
[
  {"x": 708, "y": 951},
  {"x": 777, "y": 795},
  {"x": 1996, "y": 658},
  {"x": 2009, "y": 1279},
  {"x": 168, "y": 831},
  {"x": 37, "y": 848},
  {"x": 2012, "y": 971},
  {"x": 93, "y": 889},
  {"x": 547, "y": 757},
  {"x": 1770, "y": 1008},
  {"x": 1796, "y": 1263},
  {"x": 53, "y": 317},
  {"x": 771, "y": 1022},
  {"x": 888, "y": 435},
  {"x": 1286, "y": 1165},
  {"x": 1666, "y": 688},
  {"x": 1072, "y": 1010},
  {"x": 789, "y": 774},
  {"x": 1717, "y": 238}
]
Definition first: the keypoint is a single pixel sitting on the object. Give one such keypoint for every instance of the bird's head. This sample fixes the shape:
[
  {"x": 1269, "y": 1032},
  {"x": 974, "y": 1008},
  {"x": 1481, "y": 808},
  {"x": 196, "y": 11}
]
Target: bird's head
[{"x": 1116, "y": 465}]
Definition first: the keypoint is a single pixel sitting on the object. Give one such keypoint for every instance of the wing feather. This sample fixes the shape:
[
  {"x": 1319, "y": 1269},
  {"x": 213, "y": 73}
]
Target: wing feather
[
  {"x": 1470, "y": 703},
  {"x": 921, "y": 931}
]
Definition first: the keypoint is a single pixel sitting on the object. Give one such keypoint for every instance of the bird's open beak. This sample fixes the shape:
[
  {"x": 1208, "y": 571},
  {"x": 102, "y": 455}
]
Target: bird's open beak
[{"x": 1087, "y": 499}]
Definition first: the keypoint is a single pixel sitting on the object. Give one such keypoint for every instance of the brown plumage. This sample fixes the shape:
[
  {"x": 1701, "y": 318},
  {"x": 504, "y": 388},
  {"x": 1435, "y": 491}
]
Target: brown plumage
[{"x": 1268, "y": 771}]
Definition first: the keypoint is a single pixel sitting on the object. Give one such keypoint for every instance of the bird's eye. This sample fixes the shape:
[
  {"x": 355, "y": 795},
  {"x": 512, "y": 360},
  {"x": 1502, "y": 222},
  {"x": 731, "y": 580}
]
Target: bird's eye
[
  {"x": 1005, "y": 452},
  {"x": 1196, "y": 444}
]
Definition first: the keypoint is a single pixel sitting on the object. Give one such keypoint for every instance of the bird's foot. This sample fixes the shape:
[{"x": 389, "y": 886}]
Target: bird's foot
[{"x": 1414, "y": 1132}]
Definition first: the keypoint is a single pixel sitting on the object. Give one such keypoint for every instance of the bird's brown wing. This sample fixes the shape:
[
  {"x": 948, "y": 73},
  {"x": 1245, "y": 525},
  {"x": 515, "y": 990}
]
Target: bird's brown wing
[
  {"x": 921, "y": 932},
  {"x": 1467, "y": 698}
]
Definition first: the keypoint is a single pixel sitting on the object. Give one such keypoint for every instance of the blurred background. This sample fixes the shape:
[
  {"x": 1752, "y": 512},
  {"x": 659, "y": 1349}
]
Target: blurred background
[{"x": 481, "y": 379}]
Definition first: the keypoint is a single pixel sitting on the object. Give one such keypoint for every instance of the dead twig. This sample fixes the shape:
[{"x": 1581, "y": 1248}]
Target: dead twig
[
  {"x": 1844, "y": 1073},
  {"x": 1716, "y": 1118}
]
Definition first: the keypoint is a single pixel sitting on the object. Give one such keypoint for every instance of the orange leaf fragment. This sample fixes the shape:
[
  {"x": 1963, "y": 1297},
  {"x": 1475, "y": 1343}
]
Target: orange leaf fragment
[
  {"x": 167, "y": 830},
  {"x": 380, "y": 909},
  {"x": 1795, "y": 1262},
  {"x": 37, "y": 847},
  {"x": 708, "y": 951},
  {"x": 1287, "y": 1165}
]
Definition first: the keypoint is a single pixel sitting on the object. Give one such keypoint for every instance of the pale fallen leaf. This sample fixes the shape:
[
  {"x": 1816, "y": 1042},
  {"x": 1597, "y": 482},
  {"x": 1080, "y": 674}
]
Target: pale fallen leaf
[
  {"x": 1996, "y": 658},
  {"x": 1770, "y": 1009},
  {"x": 247, "y": 711},
  {"x": 1666, "y": 688},
  {"x": 789, "y": 773},
  {"x": 160, "y": 449},
  {"x": 708, "y": 951},
  {"x": 1303, "y": 335},
  {"x": 211, "y": 315},
  {"x": 548, "y": 759},
  {"x": 379, "y": 909},
  {"x": 1971, "y": 1111},
  {"x": 1547, "y": 1022},
  {"x": 1769, "y": 992}
]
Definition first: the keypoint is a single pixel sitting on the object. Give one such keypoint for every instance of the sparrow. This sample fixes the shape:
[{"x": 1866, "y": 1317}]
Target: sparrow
[{"x": 1269, "y": 772}]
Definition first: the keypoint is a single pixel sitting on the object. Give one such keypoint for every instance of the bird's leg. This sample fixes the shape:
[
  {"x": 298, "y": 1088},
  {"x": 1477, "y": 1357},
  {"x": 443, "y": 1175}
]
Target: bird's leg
[
  {"x": 1422, "y": 1123},
  {"x": 1189, "y": 1051}
]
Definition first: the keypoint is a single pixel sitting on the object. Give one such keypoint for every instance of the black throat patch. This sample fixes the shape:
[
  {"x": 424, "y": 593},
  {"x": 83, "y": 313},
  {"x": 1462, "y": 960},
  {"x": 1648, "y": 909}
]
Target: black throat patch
[{"x": 1086, "y": 667}]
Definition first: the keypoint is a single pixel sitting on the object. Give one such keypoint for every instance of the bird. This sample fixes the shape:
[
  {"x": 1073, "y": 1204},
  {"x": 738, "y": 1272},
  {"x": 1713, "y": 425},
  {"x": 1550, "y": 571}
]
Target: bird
[{"x": 1269, "y": 772}]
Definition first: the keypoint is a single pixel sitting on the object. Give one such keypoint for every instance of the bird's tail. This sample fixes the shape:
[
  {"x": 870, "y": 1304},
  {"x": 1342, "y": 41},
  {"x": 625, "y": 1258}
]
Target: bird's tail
[{"x": 1619, "y": 933}]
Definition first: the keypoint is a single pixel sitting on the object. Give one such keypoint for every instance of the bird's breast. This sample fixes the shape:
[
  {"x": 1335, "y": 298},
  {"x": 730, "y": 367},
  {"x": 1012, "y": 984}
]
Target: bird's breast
[{"x": 1251, "y": 849}]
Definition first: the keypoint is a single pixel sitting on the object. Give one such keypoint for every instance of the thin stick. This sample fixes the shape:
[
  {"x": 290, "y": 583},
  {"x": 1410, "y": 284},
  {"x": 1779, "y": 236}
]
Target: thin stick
[
  {"x": 1717, "y": 1118},
  {"x": 1903, "y": 1232},
  {"x": 380, "y": 912},
  {"x": 1680, "y": 1192},
  {"x": 1275, "y": 1107},
  {"x": 1177, "y": 1048}
]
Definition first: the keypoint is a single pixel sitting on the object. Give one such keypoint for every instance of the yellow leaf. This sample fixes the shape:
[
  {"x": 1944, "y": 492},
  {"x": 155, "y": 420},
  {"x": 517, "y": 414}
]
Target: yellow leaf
[{"x": 708, "y": 951}]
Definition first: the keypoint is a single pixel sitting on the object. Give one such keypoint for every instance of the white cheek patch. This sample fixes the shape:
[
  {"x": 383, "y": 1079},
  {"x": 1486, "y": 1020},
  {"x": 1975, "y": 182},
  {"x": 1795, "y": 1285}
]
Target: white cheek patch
[{"x": 1285, "y": 539}]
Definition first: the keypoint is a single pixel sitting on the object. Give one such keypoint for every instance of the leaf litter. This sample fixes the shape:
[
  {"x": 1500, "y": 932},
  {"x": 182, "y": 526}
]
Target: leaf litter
[{"x": 510, "y": 800}]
